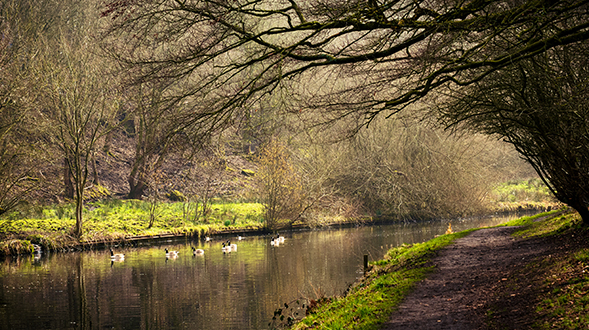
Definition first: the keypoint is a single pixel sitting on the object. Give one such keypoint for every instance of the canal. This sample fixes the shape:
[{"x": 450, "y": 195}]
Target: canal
[{"x": 216, "y": 290}]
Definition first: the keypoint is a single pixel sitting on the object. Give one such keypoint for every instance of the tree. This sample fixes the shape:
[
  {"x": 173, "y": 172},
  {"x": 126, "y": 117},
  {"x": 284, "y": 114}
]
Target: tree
[
  {"x": 15, "y": 169},
  {"x": 352, "y": 60},
  {"x": 279, "y": 186},
  {"x": 381, "y": 55},
  {"x": 20, "y": 173},
  {"x": 78, "y": 108},
  {"x": 540, "y": 106},
  {"x": 154, "y": 133},
  {"x": 202, "y": 181}
]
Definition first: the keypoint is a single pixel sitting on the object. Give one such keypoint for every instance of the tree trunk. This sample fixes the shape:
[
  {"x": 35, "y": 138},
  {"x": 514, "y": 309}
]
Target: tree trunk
[
  {"x": 107, "y": 142},
  {"x": 96, "y": 178},
  {"x": 136, "y": 188},
  {"x": 583, "y": 212},
  {"x": 67, "y": 179},
  {"x": 79, "y": 209}
]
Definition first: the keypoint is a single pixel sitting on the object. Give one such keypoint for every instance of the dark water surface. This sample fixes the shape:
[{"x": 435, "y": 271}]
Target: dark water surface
[{"x": 240, "y": 290}]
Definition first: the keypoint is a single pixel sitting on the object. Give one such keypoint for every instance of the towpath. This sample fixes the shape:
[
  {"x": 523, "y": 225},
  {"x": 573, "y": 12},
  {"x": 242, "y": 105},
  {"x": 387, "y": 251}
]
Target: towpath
[{"x": 470, "y": 277}]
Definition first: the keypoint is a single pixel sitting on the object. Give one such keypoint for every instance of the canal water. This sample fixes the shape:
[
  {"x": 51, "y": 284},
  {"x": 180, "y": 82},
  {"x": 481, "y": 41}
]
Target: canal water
[{"x": 238, "y": 290}]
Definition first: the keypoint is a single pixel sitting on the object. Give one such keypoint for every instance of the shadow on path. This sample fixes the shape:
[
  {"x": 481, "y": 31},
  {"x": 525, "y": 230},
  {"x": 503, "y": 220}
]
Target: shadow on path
[{"x": 467, "y": 280}]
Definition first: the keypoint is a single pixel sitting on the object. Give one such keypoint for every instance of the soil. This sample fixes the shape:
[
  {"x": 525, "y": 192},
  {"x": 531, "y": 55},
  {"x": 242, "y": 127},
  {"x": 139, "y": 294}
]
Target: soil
[{"x": 478, "y": 283}]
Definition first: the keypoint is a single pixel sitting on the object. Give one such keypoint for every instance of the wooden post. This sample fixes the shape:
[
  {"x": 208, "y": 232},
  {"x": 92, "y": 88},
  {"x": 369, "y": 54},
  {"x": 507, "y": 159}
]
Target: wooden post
[{"x": 365, "y": 263}]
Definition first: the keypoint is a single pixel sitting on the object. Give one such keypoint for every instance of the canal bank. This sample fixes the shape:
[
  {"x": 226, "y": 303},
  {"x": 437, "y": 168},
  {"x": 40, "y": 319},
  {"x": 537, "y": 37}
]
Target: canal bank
[
  {"x": 24, "y": 237},
  {"x": 530, "y": 274}
]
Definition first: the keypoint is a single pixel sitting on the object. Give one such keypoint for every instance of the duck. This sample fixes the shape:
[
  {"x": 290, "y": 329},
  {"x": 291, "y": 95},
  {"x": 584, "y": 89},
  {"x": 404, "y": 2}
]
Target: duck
[
  {"x": 207, "y": 239},
  {"x": 233, "y": 246},
  {"x": 226, "y": 249},
  {"x": 280, "y": 238},
  {"x": 116, "y": 256},
  {"x": 37, "y": 248},
  {"x": 239, "y": 238},
  {"x": 274, "y": 242},
  {"x": 171, "y": 254},
  {"x": 196, "y": 251}
]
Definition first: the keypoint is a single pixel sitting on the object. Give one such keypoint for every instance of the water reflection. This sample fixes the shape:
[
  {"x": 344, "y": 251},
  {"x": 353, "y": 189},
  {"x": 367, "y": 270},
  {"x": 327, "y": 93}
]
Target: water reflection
[{"x": 150, "y": 289}]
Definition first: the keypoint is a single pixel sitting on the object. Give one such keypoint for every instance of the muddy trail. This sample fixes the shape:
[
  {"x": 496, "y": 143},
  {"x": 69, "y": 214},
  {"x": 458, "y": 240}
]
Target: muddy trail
[{"x": 479, "y": 273}]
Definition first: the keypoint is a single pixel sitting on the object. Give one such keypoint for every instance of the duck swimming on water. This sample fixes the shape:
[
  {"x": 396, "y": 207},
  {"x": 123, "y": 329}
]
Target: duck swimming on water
[
  {"x": 116, "y": 256},
  {"x": 196, "y": 251},
  {"x": 171, "y": 254}
]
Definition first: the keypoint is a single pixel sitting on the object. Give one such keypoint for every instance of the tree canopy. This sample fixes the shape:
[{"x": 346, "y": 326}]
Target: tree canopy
[
  {"x": 539, "y": 105},
  {"x": 354, "y": 61},
  {"x": 380, "y": 55}
]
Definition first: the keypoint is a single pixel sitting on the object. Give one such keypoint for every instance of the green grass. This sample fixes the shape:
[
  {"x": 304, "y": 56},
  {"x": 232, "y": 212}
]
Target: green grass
[
  {"x": 520, "y": 195},
  {"x": 561, "y": 279},
  {"x": 552, "y": 226},
  {"x": 369, "y": 303},
  {"x": 533, "y": 190},
  {"x": 528, "y": 220},
  {"x": 116, "y": 219},
  {"x": 565, "y": 284}
]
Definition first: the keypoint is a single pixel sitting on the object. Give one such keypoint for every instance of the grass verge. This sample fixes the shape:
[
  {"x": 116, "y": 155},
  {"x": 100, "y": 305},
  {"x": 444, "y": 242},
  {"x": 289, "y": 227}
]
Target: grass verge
[{"x": 561, "y": 279}]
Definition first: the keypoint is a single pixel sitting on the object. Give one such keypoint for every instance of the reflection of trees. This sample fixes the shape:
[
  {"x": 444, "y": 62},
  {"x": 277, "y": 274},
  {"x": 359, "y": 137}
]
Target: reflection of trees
[
  {"x": 145, "y": 292},
  {"x": 84, "y": 317}
]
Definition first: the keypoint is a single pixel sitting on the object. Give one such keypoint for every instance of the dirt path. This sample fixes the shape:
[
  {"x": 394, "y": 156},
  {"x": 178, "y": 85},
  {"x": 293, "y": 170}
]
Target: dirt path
[{"x": 468, "y": 278}]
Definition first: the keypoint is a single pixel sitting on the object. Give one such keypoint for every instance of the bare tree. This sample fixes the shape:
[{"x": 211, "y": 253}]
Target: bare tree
[
  {"x": 352, "y": 60},
  {"x": 279, "y": 186},
  {"x": 540, "y": 106},
  {"x": 154, "y": 136},
  {"x": 20, "y": 25},
  {"x": 78, "y": 107},
  {"x": 231, "y": 53},
  {"x": 203, "y": 181}
]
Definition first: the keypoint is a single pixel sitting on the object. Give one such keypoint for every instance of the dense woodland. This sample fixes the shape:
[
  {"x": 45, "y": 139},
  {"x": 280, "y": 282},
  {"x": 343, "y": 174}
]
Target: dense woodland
[{"x": 132, "y": 99}]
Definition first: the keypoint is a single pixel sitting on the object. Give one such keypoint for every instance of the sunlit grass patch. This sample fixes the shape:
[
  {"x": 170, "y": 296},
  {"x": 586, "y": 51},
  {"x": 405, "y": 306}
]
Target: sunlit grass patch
[
  {"x": 513, "y": 196},
  {"x": 419, "y": 253},
  {"x": 120, "y": 219},
  {"x": 533, "y": 190},
  {"x": 551, "y": 226},
  {"x": 368, "y": 307},
  {"x": 528, "y": 220}
]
